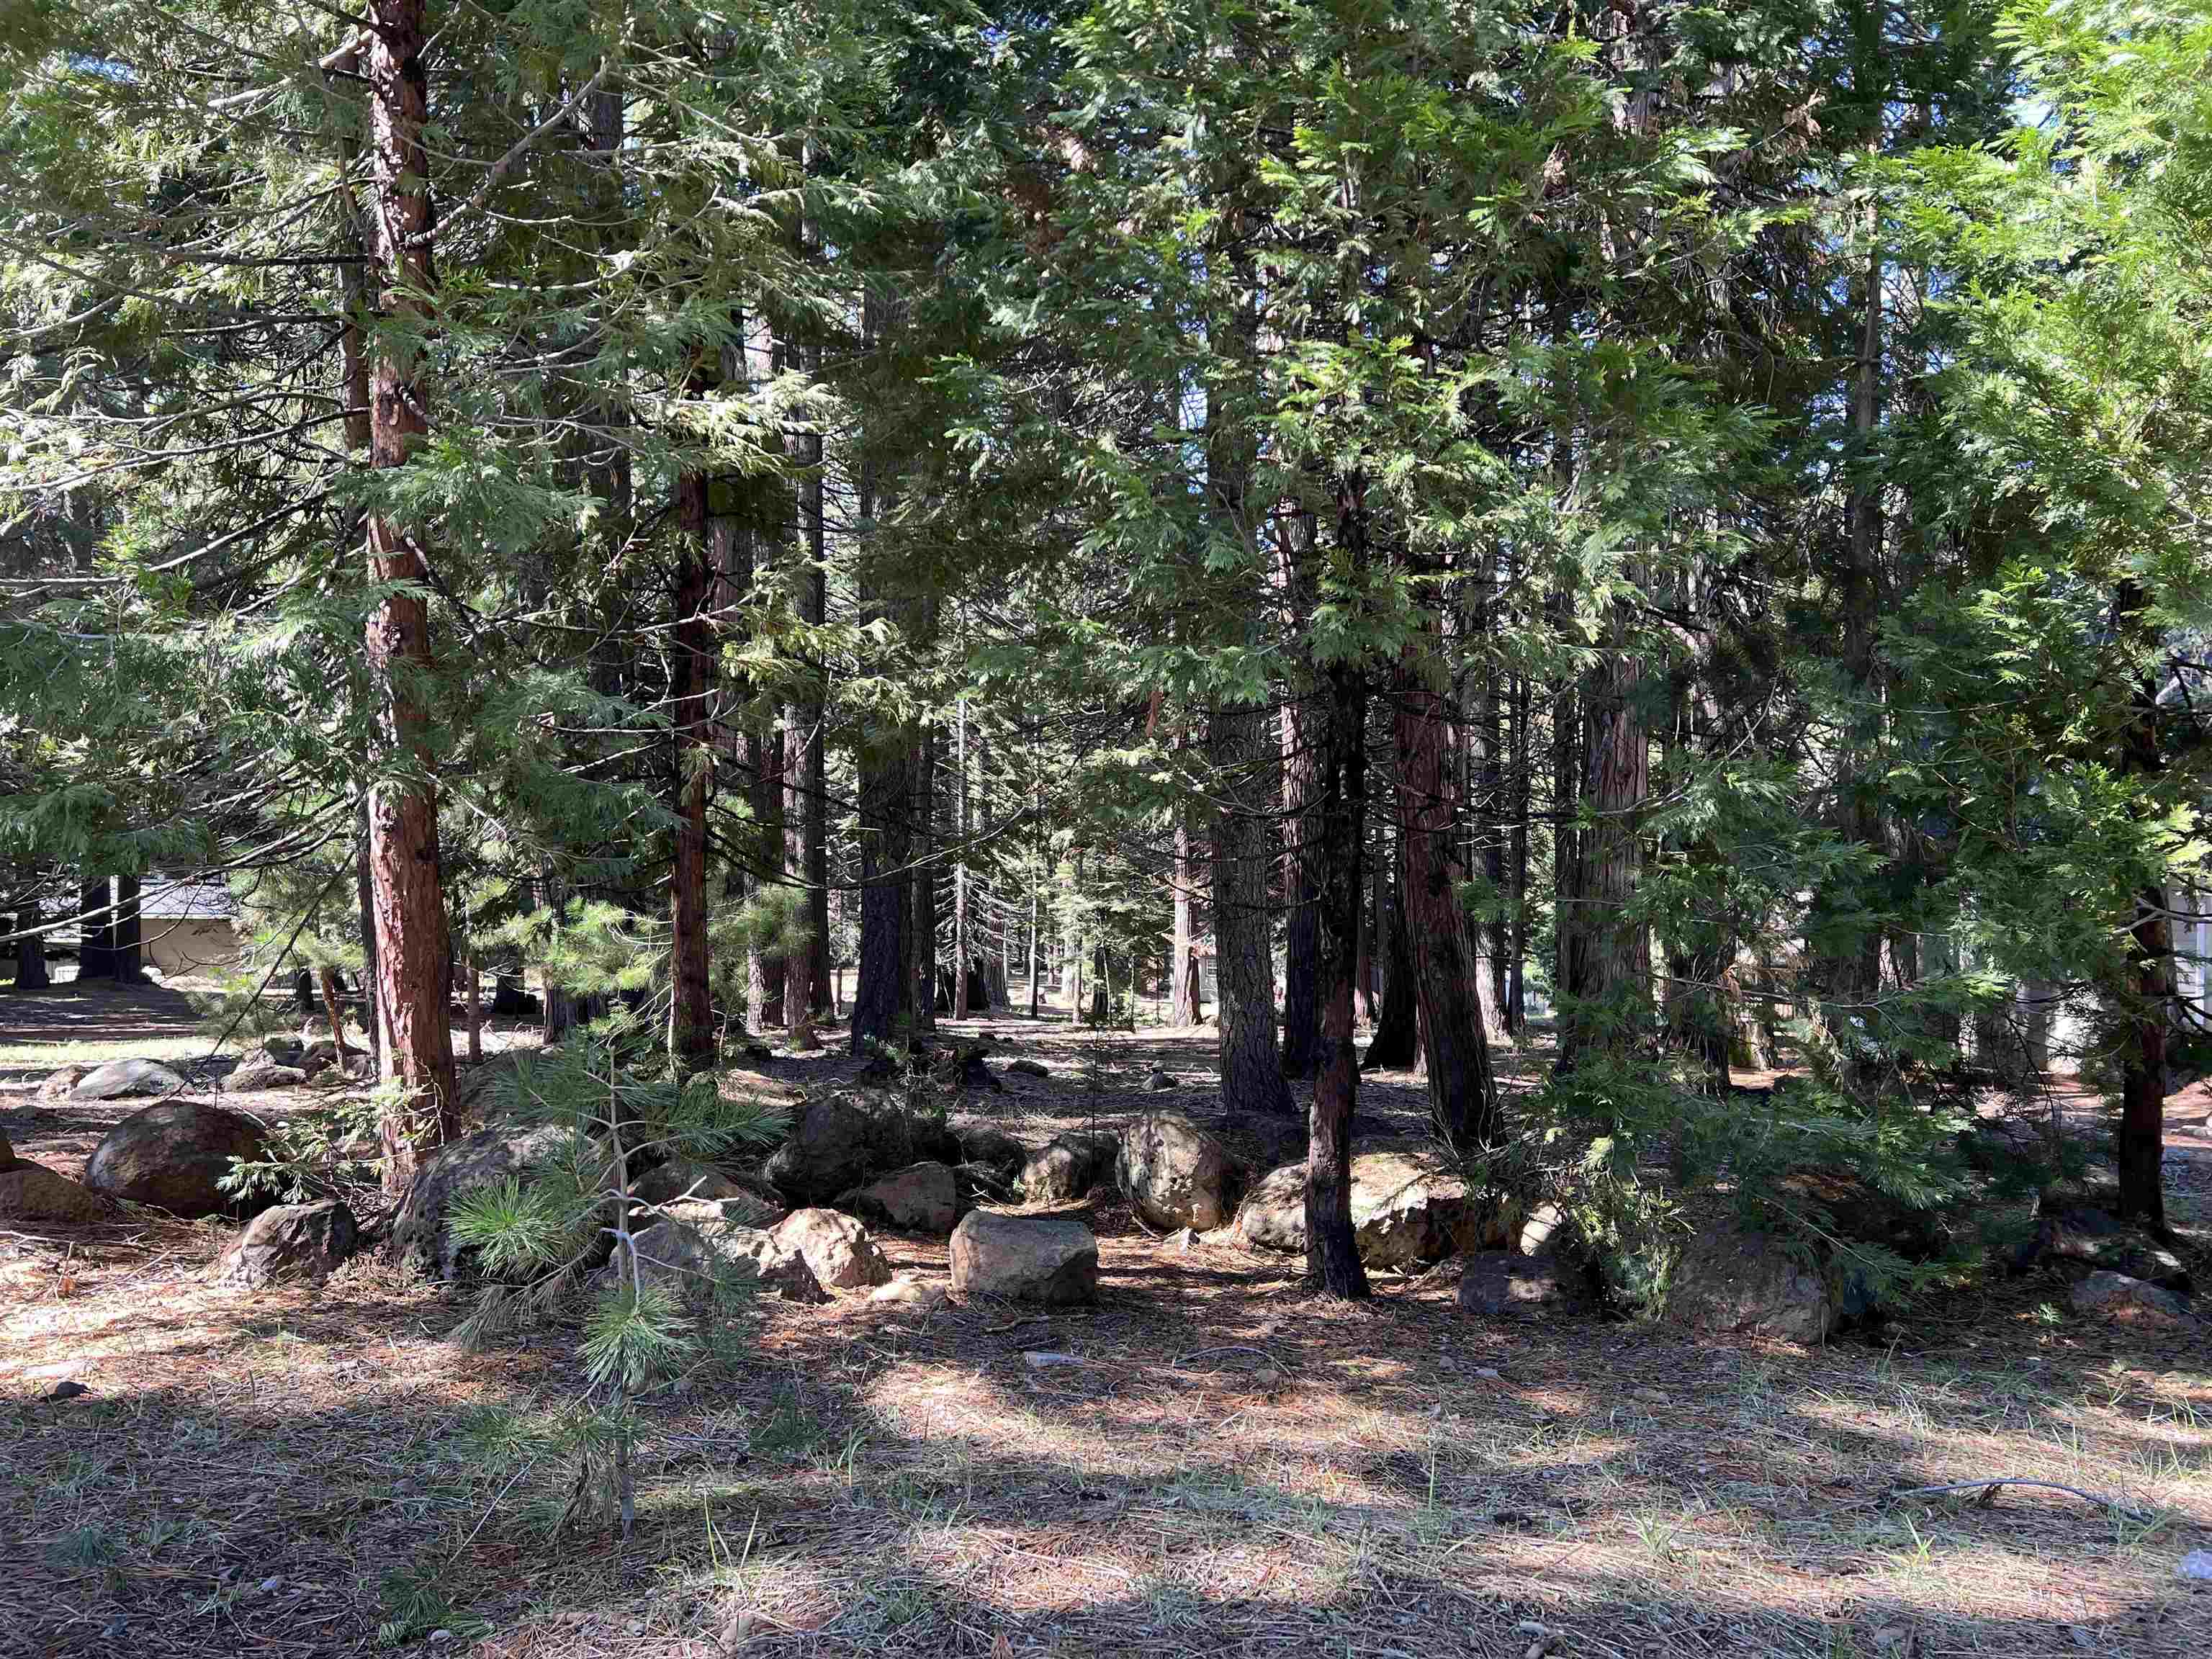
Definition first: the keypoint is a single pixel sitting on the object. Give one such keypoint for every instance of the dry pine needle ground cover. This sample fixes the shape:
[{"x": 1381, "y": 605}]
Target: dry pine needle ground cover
[{"x": 1230, "y": 1466}]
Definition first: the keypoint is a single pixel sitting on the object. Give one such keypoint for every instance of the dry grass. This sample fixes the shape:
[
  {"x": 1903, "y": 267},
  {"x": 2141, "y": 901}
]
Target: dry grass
[{"x": 1234, "y": 1468}]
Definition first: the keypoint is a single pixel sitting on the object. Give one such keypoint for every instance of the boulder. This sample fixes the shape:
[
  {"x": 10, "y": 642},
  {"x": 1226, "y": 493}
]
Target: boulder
[
  {"x": 992, "y": 1159},
  {"x": 690, "y": 1262},
  {"x": 31, "y": 1192},
  {"x": 1067, "y": 1167},
  {"x": 2107, "y": 1295},
  {"x": 258, "y": 1070},
  {"x": 2075, "y": 1224},
  {"x": 1728, "y": 1278},
  {"x": 173, "y": 1155},
  {"x": 922, "y": 1198},
  {"x": 419, "y": 1235},
  {"x": 836, "y": 1247},
  {"x": 120, "y": 1078},
  {"x": 60, "y": 1086},
  {"x": 1049, "y": 1259},
  {"x": 1407, "y": 1206},
  {"x": 839, "y": 1143},
  {"x": 293, "y": 1241},
  {"x": 1175, "y": 1174},
  {"x": 680, "y": 1180},
  {"x": 1029, "y": 1067},
  {"x": 1501, "y": 1284}
]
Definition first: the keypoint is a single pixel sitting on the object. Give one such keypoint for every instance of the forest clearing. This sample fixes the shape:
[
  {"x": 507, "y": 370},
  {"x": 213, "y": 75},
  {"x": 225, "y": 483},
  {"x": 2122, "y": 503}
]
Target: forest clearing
[{"x": 1124, "y": 828}]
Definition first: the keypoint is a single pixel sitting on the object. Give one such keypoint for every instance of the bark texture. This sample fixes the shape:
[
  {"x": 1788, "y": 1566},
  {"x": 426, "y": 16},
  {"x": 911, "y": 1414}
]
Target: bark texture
[
  {"x": 1463, "y": 1093},
  {"x": 691, "y": 1021},
  {"x": 413, "y": 952}
]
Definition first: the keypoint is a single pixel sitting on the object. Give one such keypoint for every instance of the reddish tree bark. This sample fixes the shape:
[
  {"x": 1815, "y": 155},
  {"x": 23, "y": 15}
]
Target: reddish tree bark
[
  {"x": 1463, "y": 1093},
  {"x": 1338, "y": 818},
  {"x": 412, "y": 950},
  {"x": 691, "y": 1021}
]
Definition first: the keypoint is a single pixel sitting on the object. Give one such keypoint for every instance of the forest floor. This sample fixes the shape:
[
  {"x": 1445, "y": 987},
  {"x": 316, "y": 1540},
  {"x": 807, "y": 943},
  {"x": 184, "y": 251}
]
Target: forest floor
[{"x": 1228, "y": 1466}]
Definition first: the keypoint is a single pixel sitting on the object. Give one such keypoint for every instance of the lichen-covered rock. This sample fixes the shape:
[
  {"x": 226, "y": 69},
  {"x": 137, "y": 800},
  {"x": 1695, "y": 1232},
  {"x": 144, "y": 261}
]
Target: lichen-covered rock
[
  {"x": 1728, "y": 1278},
  {"x": 292, "y": 1241},
  {"x": 840, "y": 1141},
  {"x": 679, "y": 1180},
  {"x": 1048, "y": 1259},
  {"x": 1067, "y": 1167},
  {"x": 2107, "y": 1295},
  {"x": 691, "y": 1261},
  {"x": 259, "y": 1071},
  {"x": 837, "y": 1248},
  {"x": 1407, "y": 1206},
  {"x": 1503, "y": 1285},
  {"x": 173, "y": 1156},
  {"x": 922, "y": 1198},
  {"x": 420, "y": 1236},
  {"x": 31, "y": 1192},
  {"x": 60, "y": 1086},
  {"x": 120, "y": 1078},
  {"x": 1175, "y": 1174}
]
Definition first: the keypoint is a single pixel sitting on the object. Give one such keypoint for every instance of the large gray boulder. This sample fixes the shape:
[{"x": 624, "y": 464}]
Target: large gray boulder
[
  {"x": 1408, "y": 1204},
  {"x": 1048, "y": 1259},
  {"x": 679, "y": 1180},
  {"x": 420, "y": 1236},
  {"x": 2107, "y": 1295},
  {"x": 690, "y": 1262},
  {"x": 1731, "y": 1279},
  {"x": 292, "y": 1241},
  {"x": 120, "y": 1078},
  {"x": 1068, "y": 1167},
  {"x": 840, "y": 1141},
  {"x": 922, "y": 1198},
  {"x": 1175, "y": 1174},
  {"x": 172, "y": 1156},
  {"x": 836, "y": 1247}
]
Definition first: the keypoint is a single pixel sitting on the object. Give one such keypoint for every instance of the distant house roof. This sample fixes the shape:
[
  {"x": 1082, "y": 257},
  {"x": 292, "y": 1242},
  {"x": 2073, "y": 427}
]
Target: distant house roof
[{"x": 197, "y": 901}]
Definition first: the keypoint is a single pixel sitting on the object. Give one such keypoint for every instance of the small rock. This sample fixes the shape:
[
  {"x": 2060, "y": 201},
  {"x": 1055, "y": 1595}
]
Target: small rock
[
  {"x": 1161, "y": 1080},
  {"x": 440, "y": 1638},
  {"x": 835, "y": 1246},
  {"x": 1181, "y": 1242},
  {"x": 1498, "y": 1285},
  {"x": 271, "y": 1585},
  {"x": 1653, "y": 1397},
  {"x": 2196, "y": 1566},
  {"x": 1040, "y": 1359},
  {"x": 1029, "y": 1067},
  {"x": 2082, "y": 1635},
  {"x": 922, "y": 1295},
  {"x": 69, "y": 1391}
]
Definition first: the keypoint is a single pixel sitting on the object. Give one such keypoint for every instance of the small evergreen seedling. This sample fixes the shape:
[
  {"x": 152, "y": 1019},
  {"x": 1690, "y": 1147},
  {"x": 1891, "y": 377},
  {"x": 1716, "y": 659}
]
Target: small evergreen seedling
[{"x": 536, "y": 1235}]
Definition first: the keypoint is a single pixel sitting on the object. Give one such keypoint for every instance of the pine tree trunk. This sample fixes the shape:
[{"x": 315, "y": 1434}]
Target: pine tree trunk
[
  {"x": 1338, "y": 826},
  {"x": 1182, "y": 964},
  {"x": 412, "y": 952},
  {"x": 921, "y": 944},
  {"x": 1516, "y": 1011},
  {"x": 1252, "y": 1082},
  {"x": 768, "y": 970},
  {"x": 31, "y": 973},
  {"x": 129, "y": 969},
  {"x": 95, "y": 950},
  {"x": 1463, "y": 1093},
  {"x": 2139, "y": 1149},
  {"x": 691, "y": 1020},
  {"x": 1301, "y": 925},
  {"x": 1396, "y": 1045},
  {"x": 882, "y": 1001},
  {"x": 963, "y": 957},
  {"x": 1608, "y": 967}
]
